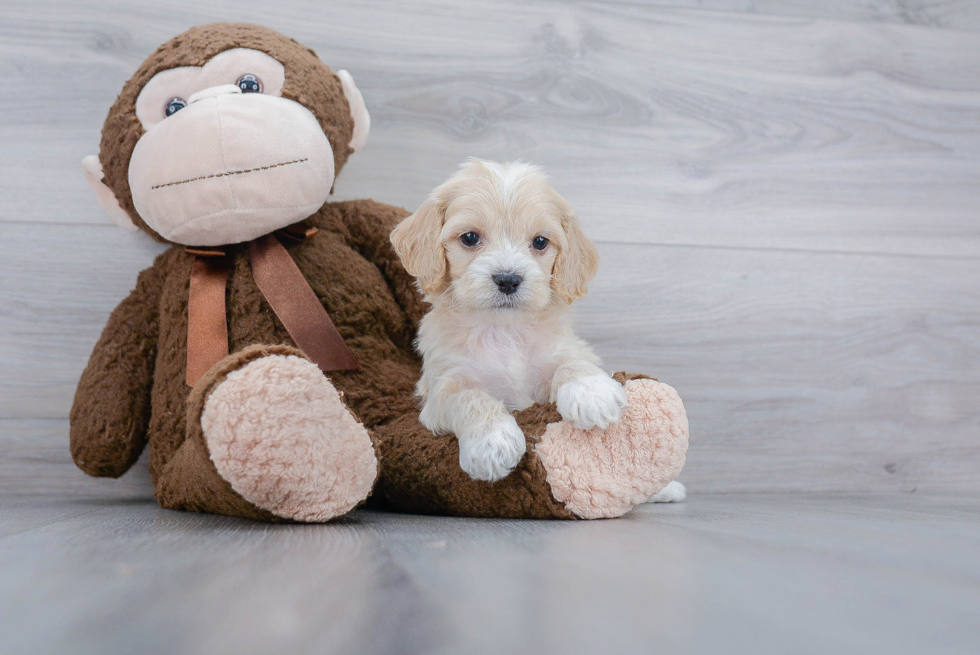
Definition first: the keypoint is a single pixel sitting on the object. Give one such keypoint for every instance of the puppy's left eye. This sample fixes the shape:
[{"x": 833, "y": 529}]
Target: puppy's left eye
[
  {"x": 539, "y": 243},
  {"x": 469, "y": 239}
]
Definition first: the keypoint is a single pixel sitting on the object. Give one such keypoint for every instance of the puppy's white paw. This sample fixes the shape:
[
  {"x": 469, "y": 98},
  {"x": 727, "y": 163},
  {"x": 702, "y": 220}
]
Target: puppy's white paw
[
  {"x": 595, "y": 401},
  {"x": 491, "y": 456},
  {"x": 674, "y": 492}
]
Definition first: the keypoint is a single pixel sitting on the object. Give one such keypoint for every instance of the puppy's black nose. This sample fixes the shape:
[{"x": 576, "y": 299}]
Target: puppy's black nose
[{"x": 507, "y": 282}]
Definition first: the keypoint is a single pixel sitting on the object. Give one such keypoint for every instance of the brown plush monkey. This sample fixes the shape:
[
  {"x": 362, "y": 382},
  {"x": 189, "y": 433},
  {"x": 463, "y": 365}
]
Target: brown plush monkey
[{"x": 266, "y": 357}]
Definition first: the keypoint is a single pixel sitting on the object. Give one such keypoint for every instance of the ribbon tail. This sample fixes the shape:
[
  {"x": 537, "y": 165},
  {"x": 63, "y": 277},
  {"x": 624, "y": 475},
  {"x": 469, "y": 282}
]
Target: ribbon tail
[
  {"x": 207, "y": 322},
  {"x": 297, "y": 306}
]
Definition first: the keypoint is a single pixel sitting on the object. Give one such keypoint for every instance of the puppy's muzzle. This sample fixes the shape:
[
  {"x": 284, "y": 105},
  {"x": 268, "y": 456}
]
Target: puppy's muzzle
[{"x": 507, "y": 282}]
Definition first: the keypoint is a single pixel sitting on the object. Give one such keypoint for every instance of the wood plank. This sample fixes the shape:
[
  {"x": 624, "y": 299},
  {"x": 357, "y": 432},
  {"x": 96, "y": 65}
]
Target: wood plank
[
  {"x": 35, "y": 464},
  {"x": 731, "y": 574},
  {"x": 60, "y": 282},
  {"x": 661, "y": 125},
  {"x": 805, "y": 371},
  {"x": 947, "y": 14}
]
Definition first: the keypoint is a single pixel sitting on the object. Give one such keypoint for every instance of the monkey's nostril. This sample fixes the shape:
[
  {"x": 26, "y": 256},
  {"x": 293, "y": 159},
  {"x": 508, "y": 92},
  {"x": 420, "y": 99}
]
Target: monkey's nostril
[{"x": 507, "y": 282}]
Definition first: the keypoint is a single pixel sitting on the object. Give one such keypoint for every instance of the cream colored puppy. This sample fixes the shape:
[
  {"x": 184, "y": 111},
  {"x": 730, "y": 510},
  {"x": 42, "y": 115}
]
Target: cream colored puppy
[{"x": 500, "y": 256}]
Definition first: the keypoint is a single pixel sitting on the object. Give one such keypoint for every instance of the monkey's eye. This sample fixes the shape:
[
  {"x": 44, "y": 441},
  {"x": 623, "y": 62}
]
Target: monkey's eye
[
  {"x": 248, "y": 83},
  {"x": 539, "y": 243},
  {"x": 469, "y": 239},
  {"x": 173, "y": 106}
]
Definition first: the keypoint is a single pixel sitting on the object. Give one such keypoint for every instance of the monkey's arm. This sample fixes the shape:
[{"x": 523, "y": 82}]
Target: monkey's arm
[
  {"x": 368, "y": 225},
  {"x": 111, "y": 411}
]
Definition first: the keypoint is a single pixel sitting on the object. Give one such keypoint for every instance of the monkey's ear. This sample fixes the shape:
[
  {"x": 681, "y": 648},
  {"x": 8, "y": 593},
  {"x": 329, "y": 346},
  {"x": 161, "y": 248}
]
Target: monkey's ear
[
  {"x": 359, "y": 112},
  {"x": 93, "y": 175}
]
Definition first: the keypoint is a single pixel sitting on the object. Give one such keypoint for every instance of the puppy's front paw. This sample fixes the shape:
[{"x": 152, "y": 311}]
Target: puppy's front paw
[
  {"x": 595, "y": 401},
  {"x": 492, "y": 455}
]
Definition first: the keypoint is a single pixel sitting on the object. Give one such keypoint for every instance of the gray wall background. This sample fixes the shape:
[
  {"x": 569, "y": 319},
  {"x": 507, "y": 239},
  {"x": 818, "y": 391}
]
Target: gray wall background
[{"x": 785, "y": 195}]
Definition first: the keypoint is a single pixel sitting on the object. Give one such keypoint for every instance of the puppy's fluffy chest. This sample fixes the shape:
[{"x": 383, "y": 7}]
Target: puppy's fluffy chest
[{"x": 513, "y": 362}]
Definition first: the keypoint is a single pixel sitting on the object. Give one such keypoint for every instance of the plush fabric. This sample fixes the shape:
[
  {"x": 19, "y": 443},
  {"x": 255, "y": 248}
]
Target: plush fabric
[
  {"x": 421, "y": 474},
  {"x": 223, "y": 68},
  {"x": 278, "y": 431},
  {"x": 92, "y": 168},
  {"x": 262, "y": 434},
  {"x": 229, "y": 169},
  {"x": 585, "y": 469},
  {"x": 308, "y": 82}
]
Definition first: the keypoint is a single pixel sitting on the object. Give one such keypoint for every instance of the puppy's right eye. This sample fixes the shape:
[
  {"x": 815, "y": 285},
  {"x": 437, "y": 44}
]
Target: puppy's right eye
[{"x": 469, "y": 239}]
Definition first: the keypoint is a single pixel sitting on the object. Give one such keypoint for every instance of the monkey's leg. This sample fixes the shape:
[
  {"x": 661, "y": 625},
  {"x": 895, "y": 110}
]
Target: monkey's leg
[
  {"x": 269, "y": 438},
  {"x": 567, "y": 472}
]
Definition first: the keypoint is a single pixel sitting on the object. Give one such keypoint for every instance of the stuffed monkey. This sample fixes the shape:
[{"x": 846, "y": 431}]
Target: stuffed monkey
[{"x": 267, "y": 356}]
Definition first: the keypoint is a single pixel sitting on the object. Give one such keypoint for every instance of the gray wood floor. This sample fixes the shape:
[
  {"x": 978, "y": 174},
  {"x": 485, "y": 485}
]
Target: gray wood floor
[
  {"x": 786, "y": 197},
  {"x": 718, "y": 574}
]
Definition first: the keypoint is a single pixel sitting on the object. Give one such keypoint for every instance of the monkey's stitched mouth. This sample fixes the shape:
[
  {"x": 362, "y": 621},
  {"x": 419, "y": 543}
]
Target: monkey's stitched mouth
[{"x": 228, "y": 173}]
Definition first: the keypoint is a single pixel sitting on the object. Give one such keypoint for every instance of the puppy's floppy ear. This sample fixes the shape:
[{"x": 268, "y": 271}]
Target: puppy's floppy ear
[
  {"x": 416, "y": 240},
  {"x": 577, "y": 261}
]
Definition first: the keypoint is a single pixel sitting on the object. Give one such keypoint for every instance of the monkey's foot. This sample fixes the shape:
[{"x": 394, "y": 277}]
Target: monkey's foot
[
  {"x": 278, "y": 432},
  {"x": 605, "y": 473}
]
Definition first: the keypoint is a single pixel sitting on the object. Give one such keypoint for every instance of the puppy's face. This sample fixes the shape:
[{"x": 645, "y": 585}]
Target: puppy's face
[
  {"x": 501, "y": 247},
  {"x": 497, "y": 237}
]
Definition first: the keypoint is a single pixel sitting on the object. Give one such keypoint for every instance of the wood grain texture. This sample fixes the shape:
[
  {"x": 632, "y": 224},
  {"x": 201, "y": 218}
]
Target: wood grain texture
[
  {"x": 822, "y": 371},
  {"x": 700, "y": 127},
  {"x": 785, "y": 195},
  {"x": 35, "y": 463},
  {"x": 718, "y": 574},
  {"x": 948, "y": 14},
  {"x": 806, "y": 371}
]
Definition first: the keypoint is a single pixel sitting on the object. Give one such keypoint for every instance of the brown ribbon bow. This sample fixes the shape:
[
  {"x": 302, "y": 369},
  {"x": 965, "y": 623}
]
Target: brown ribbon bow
[{"x": 285, "y": 289}]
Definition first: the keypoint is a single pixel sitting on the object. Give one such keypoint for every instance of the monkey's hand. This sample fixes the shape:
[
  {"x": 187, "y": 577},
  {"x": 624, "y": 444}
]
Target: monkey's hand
[{"x": 111, "y": 411}]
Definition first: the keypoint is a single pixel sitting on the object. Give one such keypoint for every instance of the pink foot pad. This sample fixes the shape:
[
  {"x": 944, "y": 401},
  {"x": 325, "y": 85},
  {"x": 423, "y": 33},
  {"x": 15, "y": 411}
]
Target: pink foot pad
[
  {"x": 604, "y": 474},
  {"x": 278, "y": 431}
]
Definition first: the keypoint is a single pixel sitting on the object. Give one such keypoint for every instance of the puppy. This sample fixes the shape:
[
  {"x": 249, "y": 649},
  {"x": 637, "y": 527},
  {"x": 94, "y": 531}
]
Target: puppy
[{"x": 500, "y": 256}]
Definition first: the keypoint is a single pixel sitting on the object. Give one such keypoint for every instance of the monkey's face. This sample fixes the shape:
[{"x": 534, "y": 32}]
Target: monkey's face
[
  {"x": 224, "y": 157},
  {"x": 226, "y": 151}
]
